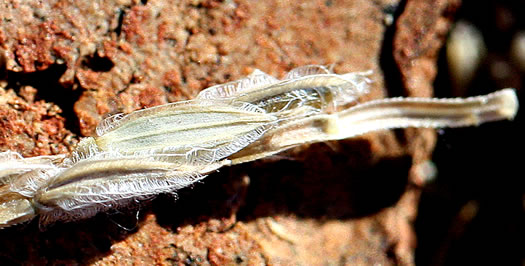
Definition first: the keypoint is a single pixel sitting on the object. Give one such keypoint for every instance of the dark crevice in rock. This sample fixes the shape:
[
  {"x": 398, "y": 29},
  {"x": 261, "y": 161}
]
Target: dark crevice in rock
[
  {"x": 391, "y": 72},
  {"x": 118, "y": 29},
  {"x": 387, "y": 62},
  {"x": 98, "y": 63},
  {"x": 3, "y": 65}
]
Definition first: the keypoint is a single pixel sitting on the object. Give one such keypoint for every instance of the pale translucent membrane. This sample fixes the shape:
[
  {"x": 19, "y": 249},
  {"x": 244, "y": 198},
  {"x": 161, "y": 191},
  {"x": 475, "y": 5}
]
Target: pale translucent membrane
[
  {"x": 12, "y": 164},
  {"x": 322, "y": 92},
  {"x": 29, "y": 183},
  {"x": 383, "y": 114},
  {"x": 254, "y": 81},
  {"x": 108, "y": 124},
  {"x": 23, "y": 176},
  {"x": 101, "y": 182},
  {"x": 307, "y": 71},
  {"x": 203, "y": 131},
  {"x": 109, "y": 181},
  {"x": 86, "y": 148},
  {"x": 16, "y": 210},
  {"x": 304, "y": 91}
]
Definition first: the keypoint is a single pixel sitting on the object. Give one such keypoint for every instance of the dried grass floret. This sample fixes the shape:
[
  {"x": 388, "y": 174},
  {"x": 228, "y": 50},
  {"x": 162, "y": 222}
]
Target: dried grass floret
[
  {"x": 13, "y": 165},
  {"x": 98, "y": 184},
  {"x": 256, "y": 80},
  {"x": 184, "y": 128},
  {"x": 383, "y": 114},
  {"x": 162, "y": 149},
  {"x": 312, "y": 86}
]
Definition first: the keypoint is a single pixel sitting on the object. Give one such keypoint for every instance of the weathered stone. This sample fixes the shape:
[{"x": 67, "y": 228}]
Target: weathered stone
[{"x": 343, "y": 202}]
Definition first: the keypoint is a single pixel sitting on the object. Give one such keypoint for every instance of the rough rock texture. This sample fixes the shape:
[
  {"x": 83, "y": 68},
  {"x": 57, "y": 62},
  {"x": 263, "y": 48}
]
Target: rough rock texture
[
  {"x": 31, "y": 127},
  {"x": 344, "y": 202}
]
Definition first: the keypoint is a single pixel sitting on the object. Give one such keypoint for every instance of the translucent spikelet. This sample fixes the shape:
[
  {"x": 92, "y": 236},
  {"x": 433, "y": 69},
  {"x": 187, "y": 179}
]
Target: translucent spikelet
[
  {"x": 165, "y": 148},
  {"x": 180, "y": 128}
]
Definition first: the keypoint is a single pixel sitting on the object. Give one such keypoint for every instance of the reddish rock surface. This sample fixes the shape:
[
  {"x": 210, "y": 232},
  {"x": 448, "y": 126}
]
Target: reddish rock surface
[
  {"x": 350, "y": 202},
  {"x": 32, "y": 127}
]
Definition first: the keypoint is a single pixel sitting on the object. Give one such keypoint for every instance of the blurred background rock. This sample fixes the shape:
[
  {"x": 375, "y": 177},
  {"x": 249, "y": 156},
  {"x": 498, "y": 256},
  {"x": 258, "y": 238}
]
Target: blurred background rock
[{"x": 473, "y": 212}]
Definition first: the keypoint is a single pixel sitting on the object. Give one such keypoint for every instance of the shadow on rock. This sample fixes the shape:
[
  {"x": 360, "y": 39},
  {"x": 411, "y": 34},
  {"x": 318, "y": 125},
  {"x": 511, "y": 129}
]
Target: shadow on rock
[
  {"x": 323, "y": 184},
  {"x": 66, "y": 243}
]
